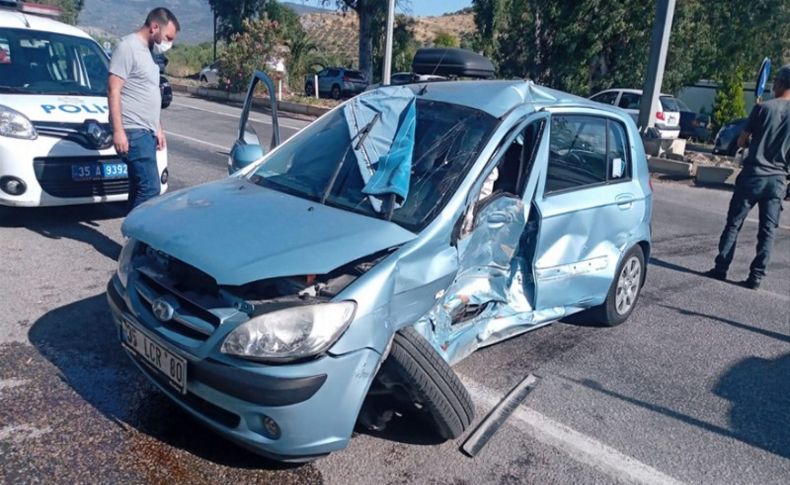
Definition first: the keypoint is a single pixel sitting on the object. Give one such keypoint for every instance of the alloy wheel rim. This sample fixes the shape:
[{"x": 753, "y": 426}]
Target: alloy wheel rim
[{"x": 628, "y": 285}]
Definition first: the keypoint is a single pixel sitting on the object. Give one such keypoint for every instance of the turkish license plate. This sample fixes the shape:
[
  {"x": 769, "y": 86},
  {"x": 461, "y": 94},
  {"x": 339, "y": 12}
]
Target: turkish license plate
[
  {"x": 99, "y": 171},
  {"x": 172, "y": 366}
]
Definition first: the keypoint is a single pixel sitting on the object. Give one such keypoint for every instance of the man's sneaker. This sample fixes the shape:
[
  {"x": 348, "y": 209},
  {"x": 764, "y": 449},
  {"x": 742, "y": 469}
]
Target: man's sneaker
[
  {"x": 716, "y": 274},
  {"x": 752, "y": 283}
]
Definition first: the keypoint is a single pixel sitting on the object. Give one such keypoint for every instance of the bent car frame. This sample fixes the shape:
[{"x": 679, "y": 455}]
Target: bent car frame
[{"x": 343, "y": 272}]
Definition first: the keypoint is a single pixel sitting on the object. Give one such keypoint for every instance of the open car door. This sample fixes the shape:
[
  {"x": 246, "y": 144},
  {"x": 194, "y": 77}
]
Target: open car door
[{"x": 248, "y": 148}]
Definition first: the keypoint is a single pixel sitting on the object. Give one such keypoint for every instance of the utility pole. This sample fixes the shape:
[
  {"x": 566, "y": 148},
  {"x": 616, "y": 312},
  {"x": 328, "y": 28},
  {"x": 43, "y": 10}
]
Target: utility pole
[
  {"x": 659, "y": 44},
  {"x": 385, "y": 76},
  {"x": 215, "y": 36}
]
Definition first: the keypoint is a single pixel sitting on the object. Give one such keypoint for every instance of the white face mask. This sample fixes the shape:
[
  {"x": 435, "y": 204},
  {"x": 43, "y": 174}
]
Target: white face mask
[{"x": 163, "y": 47}]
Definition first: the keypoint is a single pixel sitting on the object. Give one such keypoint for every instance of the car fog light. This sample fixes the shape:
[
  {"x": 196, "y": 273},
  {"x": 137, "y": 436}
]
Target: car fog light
[
  {"x": 271, "y": 428},
  {"x": 12, "y": 185},
  {"x": 165, "y": 176}
]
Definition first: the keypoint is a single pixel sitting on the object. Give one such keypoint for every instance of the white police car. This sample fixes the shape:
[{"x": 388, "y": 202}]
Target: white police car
[{"x": 55, "y": 138}]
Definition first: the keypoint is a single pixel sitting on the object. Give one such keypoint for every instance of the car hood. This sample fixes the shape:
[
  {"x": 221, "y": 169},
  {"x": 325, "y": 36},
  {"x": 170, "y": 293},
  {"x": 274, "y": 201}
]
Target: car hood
[
  {"x": 54, "y": 108},
  {"x": 239, "y": 232}
]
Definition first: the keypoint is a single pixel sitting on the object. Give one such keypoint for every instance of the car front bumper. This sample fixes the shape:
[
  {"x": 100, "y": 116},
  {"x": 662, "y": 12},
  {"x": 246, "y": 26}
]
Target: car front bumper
[
  {"x": 315, "y": 404},
  {"x": 44, "y": 167}
]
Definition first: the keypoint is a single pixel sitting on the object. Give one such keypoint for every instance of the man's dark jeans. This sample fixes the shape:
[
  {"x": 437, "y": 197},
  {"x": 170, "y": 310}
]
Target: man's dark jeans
[
  {"x": 767, "y": 193},
  {"x": 141, "y": 163}
]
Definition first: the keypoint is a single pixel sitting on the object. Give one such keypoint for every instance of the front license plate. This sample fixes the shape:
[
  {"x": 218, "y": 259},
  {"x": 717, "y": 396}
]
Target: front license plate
[
  {"x": 173, "y": 367},
  {"x": 99, "y": 171}
]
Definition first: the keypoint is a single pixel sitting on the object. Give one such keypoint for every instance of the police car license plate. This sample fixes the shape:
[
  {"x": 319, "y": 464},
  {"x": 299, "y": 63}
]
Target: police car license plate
[
  {"x": 99, "y": 171},
  {"x": 173, "y": 367}
]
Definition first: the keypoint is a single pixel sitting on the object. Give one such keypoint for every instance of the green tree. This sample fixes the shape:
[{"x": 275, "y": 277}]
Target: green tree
[
  {"x": 286, "y": 17},
  {"x": 445, "y": 39},
  {"x": 588, "y": 45},
  {"x": 490, "y": 19},
  {"x": 729, "y": 103},
  {"x": 371, "y": 14},
  {"x": 404, "y": 46},
  {"x": 304, "y": 58},
  {"x": 232, "y": 13},
  {"x": 71, "y": 9},
  {"x": 251, "y": 49}
]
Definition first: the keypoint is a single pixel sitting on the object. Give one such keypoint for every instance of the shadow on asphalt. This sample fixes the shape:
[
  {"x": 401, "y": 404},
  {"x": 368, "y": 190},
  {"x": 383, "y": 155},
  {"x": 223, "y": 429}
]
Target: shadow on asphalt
[
  {"x": 68, "y": 222},
  {"x": 80, "y": 339},
  {"x": 768, "y": 333},
  {"x": 759, "y": 392}
]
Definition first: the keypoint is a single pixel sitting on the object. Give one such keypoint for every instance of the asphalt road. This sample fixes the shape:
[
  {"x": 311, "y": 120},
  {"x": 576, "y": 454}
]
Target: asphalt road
[{"x": 694, "y": 388}]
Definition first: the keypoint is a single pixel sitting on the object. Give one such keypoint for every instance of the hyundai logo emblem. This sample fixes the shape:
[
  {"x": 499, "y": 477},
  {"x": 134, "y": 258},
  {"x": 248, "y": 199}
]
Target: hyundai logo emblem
[
  {"x": 97, "y": 134},
  {"x": 162, "y": 309}
]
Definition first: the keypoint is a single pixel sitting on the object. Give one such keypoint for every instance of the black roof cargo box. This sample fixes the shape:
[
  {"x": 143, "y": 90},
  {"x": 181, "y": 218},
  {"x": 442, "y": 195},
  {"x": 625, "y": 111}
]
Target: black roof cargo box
[{"x": 447, "y": 61}]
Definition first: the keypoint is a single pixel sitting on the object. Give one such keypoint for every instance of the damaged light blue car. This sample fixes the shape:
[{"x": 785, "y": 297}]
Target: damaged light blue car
[{"x": 337, "y": 278}]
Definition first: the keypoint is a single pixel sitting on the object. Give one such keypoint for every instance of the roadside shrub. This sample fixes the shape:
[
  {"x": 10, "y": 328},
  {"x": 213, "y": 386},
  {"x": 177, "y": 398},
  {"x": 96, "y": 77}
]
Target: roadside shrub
[
  {"x": 254, "y": 48},
  {"x": 445, "y": 39},
  {"x": 729, "y": 103},
  {"x": 186, "y": 60}
]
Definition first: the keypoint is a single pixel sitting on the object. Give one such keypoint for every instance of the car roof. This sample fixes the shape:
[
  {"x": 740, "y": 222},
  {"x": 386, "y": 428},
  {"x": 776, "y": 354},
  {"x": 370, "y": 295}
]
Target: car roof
[
  {"x": 628, "y": 90},
  {"x": 499, "y": 97},
  {"x": 11, "y": 19}
]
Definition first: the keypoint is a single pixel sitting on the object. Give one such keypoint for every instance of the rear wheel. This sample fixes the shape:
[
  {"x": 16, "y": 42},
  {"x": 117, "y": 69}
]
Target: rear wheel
[
  {"x": 308, "y": 89},
  {"x": 624, "y": 292},
  {"x": 336, "y": 92},
  {"x": 203, "y": 79},
  {"x": 414, "y": 372}
]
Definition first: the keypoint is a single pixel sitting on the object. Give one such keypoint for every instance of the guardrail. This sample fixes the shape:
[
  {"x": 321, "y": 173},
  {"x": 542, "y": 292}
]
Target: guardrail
[{"x": 258, "y": 102}]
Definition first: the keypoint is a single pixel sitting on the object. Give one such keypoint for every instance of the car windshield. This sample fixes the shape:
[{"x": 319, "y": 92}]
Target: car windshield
[
  {"x": 448, "y": 138},
  {"x": 35, "y": 62}
]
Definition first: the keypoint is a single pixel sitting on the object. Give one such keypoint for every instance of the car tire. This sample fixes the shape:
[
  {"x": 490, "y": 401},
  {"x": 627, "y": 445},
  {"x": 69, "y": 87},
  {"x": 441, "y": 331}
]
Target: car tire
[
  {"x": 336, "y": 92},
  {"x": 436, "y": 392},
  {"x": 732, "y": 150},
  {"x": 630, "y": 277},
  {"x": 308, "y": 89},
  {"x": 203, "y": 79}
]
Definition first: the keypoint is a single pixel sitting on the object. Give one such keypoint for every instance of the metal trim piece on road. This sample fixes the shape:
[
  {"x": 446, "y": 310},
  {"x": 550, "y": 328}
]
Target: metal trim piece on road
[{"x": 497, "y": 416}]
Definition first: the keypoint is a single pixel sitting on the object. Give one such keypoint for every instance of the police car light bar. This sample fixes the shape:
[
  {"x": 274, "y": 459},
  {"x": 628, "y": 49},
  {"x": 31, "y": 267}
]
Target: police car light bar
[
  {"x": 32, "y": 8},
  {"x": 40, "y": 9}
]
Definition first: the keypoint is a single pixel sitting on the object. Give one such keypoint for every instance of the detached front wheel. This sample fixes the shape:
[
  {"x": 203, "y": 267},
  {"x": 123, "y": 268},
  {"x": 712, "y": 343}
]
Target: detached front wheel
[{"x": 428, "y": 384}]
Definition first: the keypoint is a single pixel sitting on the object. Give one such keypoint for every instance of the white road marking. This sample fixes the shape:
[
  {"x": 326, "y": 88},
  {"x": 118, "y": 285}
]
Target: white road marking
[
  {"x": 195, "y": 140},
  {"x": 22, "y": 432},
  {"x": 582, "y": 448},
  {"x": 10, "y": 383},
  {"x": 236, "y": 116}
]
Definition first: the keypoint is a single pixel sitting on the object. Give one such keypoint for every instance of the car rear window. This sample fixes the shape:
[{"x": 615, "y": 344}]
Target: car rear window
[
  {"x": 355, "y": 75},
  {"x": 668, "y": 103}
]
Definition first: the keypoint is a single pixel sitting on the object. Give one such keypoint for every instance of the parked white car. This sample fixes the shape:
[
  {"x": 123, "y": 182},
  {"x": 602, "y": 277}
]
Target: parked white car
[
  {"x": 667, "y": 120},
  {"x": 209, "y": 74}
]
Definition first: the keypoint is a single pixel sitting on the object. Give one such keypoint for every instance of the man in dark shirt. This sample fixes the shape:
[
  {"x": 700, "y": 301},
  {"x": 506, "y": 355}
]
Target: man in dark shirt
[{"x": 762, "y": 181}]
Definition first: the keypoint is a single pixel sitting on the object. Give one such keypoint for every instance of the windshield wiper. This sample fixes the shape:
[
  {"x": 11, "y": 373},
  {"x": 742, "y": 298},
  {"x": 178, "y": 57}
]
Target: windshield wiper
[
  {"x": 15, "y": 90},
  {"x": 362, "y": 134}
]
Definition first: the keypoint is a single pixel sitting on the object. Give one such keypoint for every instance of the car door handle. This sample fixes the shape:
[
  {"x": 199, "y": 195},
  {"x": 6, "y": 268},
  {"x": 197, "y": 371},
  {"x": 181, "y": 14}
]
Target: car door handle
[{"x": 624, "y": 201}]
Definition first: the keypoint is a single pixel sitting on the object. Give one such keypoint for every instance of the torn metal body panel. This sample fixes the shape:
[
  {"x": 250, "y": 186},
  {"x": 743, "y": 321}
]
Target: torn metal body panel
[{"x": 471, "y": 211}]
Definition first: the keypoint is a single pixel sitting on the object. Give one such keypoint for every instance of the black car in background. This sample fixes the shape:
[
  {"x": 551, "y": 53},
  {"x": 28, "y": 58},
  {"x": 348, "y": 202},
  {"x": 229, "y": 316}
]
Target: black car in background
[
  {"x": 693, "y": 125},
  {"x": 726, "y": 142}
]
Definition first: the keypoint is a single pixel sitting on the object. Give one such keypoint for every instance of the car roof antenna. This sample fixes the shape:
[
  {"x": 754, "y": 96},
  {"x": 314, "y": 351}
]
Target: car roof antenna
[{"x": 423, "y": 89}]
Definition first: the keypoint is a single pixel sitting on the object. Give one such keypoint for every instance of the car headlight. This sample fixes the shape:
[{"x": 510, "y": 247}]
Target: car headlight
[
  {"x": 15, "y": 124},
  {"x": 292, "y": 333},
  {"x": 125, "y": 261}
]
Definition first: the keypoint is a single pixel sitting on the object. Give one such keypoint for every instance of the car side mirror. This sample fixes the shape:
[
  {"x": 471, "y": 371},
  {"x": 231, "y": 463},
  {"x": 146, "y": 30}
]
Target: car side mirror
[{"x": 243, "y": 155}]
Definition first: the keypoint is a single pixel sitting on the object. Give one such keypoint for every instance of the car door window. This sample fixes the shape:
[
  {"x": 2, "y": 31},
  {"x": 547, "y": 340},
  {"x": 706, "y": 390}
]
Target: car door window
[
  {"x": 630, "y": 101},
  {"x": 606, "y": 98},
  {"x": 578, "y": 153},
  {"x": 619, "y": 162}
]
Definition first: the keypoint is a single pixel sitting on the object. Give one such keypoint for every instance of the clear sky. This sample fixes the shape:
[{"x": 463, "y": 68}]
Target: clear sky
[{"x": 417, "y": 7}]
